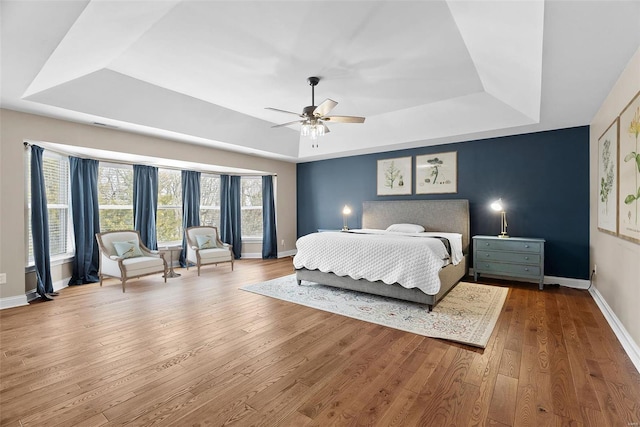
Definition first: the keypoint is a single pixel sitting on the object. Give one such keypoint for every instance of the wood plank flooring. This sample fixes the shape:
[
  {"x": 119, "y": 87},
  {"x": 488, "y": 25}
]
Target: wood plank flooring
[{"x": 198, "y": 351}]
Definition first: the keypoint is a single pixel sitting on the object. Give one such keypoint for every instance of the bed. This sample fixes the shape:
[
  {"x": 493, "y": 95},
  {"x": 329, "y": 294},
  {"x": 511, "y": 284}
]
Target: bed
[{"x": 446, "y": 216}]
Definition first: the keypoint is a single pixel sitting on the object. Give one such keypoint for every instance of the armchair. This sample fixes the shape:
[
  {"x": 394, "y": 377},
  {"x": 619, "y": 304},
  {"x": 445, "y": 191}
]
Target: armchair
[
  {"x": 205, "y": 247},
  {"x": 124, "y": 256}
]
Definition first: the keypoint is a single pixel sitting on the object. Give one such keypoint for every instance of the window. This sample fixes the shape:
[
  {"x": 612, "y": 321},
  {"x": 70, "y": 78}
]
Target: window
[
  {"x": 55, "y": 169},
  {"x": 251, "y": 206},
  {"x": 115, "y": 196},
  {"x": 210, "y": 200},
  {"x": 169, "y": 218}
]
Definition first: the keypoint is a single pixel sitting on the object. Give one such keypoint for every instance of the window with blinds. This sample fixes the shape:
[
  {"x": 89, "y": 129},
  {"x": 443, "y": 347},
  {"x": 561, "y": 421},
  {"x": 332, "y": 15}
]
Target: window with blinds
[
  {"x": 55, "y": 170},
  {"x": 251, "y": 207},
  {"x": 115, "y": 196},
  {"x": 169, "y": 217},
  {"x": 210, "y": 200}
]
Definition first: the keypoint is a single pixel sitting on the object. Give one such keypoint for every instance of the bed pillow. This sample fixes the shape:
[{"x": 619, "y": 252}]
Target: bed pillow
[
  {"x": 206, "y": 241},
  {"x": 128, "y": 249},
  {"x": 406, "y": 228}
]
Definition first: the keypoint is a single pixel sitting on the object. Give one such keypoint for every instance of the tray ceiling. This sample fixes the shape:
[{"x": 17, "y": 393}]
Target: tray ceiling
[{"x": 422, "y": 72}]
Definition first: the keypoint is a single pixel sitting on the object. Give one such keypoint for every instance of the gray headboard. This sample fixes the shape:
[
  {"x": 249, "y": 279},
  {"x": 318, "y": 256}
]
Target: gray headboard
[{"x": 433, "y": 215}]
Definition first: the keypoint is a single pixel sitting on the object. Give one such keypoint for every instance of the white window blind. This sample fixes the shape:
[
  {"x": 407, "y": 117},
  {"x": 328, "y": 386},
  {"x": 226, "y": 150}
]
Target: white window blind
[
  {"x": 115, "y": 196},
  {"x": 251, "y": 206},
  {"x": 210, "y": 200},
  {"x": 169, "y": 218}
]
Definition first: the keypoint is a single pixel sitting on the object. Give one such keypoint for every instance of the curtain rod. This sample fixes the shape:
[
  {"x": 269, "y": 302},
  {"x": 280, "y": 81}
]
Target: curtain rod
[{"x": 122, "y": 162}]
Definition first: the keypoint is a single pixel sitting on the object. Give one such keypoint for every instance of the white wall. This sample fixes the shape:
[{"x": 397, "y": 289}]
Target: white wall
[
  {"x": 617, "y": 281},
  {"x": 18, "y": 127}
]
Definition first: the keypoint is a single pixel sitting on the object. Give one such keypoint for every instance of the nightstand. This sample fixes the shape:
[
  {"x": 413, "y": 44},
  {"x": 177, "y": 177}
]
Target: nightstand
[{"x": 521, "y": 257}]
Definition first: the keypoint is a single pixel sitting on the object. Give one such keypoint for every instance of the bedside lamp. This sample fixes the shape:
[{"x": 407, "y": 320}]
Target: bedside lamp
[
  {"x": 345, "y": 211},
  {"x": 498, "y": 207}
]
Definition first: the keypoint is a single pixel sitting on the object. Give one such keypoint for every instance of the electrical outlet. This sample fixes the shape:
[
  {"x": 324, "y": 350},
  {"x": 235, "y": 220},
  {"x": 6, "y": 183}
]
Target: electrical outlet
[
  {"x": 282, "y": 243},
  {"x": 3, "y": 278}
]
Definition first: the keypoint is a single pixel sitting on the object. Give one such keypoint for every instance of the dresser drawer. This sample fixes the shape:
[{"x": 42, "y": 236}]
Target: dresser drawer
[
  {"x": 508, "y": 269},
  {"x": 509, "y": 245},
  {"x": 520, "y": 258}
]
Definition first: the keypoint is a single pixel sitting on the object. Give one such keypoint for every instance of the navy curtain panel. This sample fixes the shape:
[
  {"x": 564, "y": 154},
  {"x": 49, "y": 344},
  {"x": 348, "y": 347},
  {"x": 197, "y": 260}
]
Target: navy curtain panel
[
  {"x": 190, "y": 207},
  {"x": 145, "y": 203},
  {"x": 269, "y": 235},
  {"x": 40, "y": 224},
  {"x": 85, "y": 213},
  {"x": 230, "y": 216}
]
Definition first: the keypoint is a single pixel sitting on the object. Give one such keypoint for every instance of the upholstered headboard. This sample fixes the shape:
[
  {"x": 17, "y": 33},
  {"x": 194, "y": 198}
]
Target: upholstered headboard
[{"x": 434, "y": 215}]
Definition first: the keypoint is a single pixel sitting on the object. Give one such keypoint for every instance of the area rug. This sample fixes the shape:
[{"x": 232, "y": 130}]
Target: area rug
[{"x": 467, "y": 314}]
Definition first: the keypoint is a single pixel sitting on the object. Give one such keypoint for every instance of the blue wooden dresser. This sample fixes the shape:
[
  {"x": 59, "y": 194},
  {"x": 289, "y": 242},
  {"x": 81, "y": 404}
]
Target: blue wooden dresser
[{"x": 521, "y": 257}]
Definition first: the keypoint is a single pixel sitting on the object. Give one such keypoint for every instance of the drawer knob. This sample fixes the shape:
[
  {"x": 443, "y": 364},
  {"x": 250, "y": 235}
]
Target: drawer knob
[
  {"x": 486, "y": 244},
  {"x": 526, "y": 257},
  {"x": 526, "y": 246},
  {"x": 526, "y": 269},
  {"x": 487, "y": 255},
  {"x": 486, "y": 265}
]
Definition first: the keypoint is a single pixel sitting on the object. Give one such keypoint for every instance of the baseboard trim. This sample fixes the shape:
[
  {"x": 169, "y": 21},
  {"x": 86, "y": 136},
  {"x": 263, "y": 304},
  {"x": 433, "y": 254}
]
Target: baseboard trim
[
  {"x": 285, "y": 254},
  {"x": 548, "y": 280},
  {"x": 11, "y": 302},
  {"x": 257, "y": 255},
  {"x": 57, "y": 285},
  {"x": 629, "y": 345},
  {"x": 567, "y": 282},
  {"x": 253, "y": 255}
]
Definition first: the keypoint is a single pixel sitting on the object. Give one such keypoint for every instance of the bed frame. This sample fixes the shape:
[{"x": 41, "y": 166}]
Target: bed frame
[{"x": 434, "y": 215}]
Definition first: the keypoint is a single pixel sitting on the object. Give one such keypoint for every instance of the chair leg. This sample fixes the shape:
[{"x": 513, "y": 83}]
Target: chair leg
[
  {"x": 101, "y": 280},
  {"x": 124, "y": 282},
  {"x": 198, "y": 269}
]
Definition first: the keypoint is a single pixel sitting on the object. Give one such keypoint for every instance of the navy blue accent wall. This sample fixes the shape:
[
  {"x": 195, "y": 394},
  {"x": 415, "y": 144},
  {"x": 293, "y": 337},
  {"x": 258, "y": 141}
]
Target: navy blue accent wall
[{"x": 543, "y": 178}]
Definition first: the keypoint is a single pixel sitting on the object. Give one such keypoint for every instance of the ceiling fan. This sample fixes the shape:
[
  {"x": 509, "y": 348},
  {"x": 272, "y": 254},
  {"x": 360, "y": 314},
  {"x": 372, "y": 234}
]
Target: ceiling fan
[{"x": 313, "y": 118}]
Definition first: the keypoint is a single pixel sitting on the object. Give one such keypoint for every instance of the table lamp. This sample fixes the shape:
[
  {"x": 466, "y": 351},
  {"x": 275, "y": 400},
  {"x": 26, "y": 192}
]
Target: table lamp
[
  {"x": 345, "y": 211},
  {"x": 499, "y": 207}
]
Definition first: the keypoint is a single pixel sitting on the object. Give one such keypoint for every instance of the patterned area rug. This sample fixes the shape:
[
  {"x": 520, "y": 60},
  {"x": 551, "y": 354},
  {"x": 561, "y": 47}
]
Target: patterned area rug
[{"x": 467, "y": 314}]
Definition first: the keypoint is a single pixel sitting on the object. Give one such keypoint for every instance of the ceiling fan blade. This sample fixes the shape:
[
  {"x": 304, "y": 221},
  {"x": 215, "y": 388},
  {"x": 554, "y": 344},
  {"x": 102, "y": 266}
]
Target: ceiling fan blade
[
  {"x": 282, "y": 111},
  {"x": 344, "y": 119},
  {"x": 324, "y": 108},
  {"x": 288, "y": 123}
]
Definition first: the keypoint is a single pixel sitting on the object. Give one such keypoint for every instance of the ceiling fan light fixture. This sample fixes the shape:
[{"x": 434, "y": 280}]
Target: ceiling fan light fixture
[
  {"x": 313, "y": 117},
  {"x": 312, "y": 128},
  {"x": 305, "y": 129}
]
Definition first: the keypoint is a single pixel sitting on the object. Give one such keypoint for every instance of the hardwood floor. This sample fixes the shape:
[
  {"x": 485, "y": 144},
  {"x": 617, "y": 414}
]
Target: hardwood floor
[{"x": 197, "y": 351}]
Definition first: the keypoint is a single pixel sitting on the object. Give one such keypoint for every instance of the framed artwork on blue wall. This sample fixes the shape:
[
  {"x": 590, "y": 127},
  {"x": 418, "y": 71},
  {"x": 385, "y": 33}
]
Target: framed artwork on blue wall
[
  {"x": 629, "y": 172},
  {"x": 437, "y": 173},
  {"x": 394, "y": 176},
  {"x": 607, "y": 180}
]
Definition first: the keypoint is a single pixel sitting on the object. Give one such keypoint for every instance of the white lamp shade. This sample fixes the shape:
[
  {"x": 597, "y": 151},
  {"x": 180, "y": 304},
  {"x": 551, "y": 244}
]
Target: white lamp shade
[{"x": 497, "y": 205}]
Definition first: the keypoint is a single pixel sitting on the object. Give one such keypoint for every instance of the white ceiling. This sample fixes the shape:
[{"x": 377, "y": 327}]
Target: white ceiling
[{"x": 421, "y": 72}]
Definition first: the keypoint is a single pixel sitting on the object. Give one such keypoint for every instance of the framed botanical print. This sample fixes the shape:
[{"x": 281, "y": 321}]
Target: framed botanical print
[
  {"x": 629, "y": 172},
  {"x": 437, "y": 173},
  {"x": 394, "y": 176},
  {"x": 607, "y": 180}
]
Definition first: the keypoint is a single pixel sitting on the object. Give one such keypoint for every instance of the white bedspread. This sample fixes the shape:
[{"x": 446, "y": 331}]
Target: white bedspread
[{"x": 373, "y": 255}]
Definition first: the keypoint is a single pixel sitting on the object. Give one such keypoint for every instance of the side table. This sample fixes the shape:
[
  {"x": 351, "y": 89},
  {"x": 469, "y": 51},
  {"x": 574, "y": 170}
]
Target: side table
[
  {"x": 521, "y": 257},
  {"x": 171, "y": 250}
]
